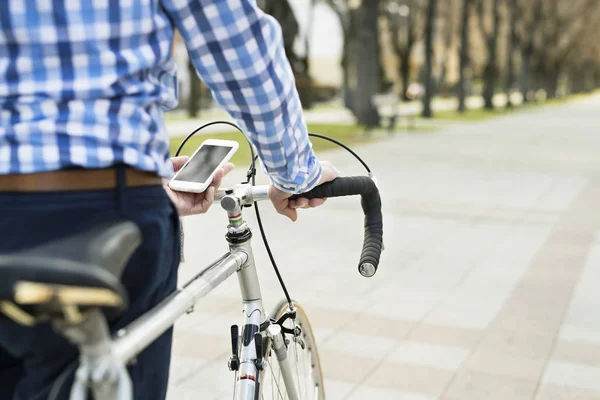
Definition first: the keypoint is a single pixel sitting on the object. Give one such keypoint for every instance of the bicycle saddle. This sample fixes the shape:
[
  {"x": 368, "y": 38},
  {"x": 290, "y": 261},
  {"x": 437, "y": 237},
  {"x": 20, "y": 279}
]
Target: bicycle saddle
[{"x": 81, "y": 270}]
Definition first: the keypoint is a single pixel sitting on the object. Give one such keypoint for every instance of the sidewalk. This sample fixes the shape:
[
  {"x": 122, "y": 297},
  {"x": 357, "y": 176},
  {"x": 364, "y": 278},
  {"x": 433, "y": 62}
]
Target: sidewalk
[{"x": 487, "y": 288}]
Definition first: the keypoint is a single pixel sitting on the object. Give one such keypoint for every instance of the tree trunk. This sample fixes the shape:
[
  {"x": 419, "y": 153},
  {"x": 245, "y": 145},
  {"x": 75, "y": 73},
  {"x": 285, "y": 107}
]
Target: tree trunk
[
  {"x": 405, "y": 75},
  {"x": 578, "y": 81},
  {"x": 347, "y": 92},
  {"x": 538, "y": 77},
  {"x": 306, "y": 92},
  {"x": 491, "y": 67},
  {"x": 551, "y": 81},
  {"x": 367, "y": 63},
  {"x": 441, "y": 86},
  {"x": 310, "y": 88},
  {"x": 464, "y": 55},
  {"x": 429, "y": 32},
  {"x": 510, "y": 52},
  {"x": 194, "y": 99},
  {"x": 525, "y": 74}
]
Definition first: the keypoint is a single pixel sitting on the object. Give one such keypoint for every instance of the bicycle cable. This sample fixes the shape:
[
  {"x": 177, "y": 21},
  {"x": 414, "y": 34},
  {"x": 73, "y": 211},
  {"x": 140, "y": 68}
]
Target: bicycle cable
[{"x": 251, "y": 178}]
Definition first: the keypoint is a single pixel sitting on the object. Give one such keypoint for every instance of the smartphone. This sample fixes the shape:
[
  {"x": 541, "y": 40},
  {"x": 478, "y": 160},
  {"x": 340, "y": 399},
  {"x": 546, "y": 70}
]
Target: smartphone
[{"x": 198, "y": 173}]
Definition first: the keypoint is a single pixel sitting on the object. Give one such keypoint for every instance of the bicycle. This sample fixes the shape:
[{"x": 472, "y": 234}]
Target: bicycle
[{"x": 71, "y": 281}]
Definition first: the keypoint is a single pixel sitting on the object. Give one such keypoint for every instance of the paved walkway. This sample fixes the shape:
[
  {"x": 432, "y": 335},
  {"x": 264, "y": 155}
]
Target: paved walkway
[{"x": 488, "y": 288}]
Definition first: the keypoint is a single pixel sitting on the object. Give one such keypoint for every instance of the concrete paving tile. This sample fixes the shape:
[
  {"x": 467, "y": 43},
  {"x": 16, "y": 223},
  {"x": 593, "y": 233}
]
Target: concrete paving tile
[
  {"x": 368, "y": 392},
  {"x": 345, "y": 367},
  {"x": 467, "y": 311},
  {"x": 360, "y": 345},
  {"x": 501, "y": 364},
  {"x": 471, "y": 385},
  {"x": 338, "y": 390},
  {"x": 330, "y": 319},
  {"x": 573, "y": 375},
  {"x": 554, "y": 392},
  {"x": 377, "y": 326},
  {"x": 183, "y": 367},
  {"x": 408, "y": 310},
  {"x": 204, "y": 347},
  {"x": 581, "y": 324},
  {"x": 409, "y": 378},
  {"x": 445, "y": 335},
  {"x": 577, "y": 352},
  {"x": 430, "y": 355},
  {"x": 518, "y": 344}
]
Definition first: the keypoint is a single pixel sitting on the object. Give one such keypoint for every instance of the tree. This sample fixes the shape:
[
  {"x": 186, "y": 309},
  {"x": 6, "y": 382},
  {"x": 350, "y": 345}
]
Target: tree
[
  {"x": 447, "y": 16},
  {"x": 404, "y": 18},
  {"x": 530, "y": 23},
  {"x": 429, "y": 32},
  {"x": 464, "y": 53},
  {"x": 365, "y": 58},
  {"x": 282, "y": 11},
  {"x": 490, "y": 35},
  {"x": 512, "y": 10},
  {"x": 565, "y": 25}
]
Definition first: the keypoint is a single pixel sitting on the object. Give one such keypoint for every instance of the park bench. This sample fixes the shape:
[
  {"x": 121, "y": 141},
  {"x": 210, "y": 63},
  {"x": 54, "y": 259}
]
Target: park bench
[{"x": 390, "y": 108}]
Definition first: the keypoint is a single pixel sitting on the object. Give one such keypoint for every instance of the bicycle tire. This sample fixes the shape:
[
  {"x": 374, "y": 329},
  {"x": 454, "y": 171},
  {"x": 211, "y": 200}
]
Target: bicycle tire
[{"x": 309, "y": 387}]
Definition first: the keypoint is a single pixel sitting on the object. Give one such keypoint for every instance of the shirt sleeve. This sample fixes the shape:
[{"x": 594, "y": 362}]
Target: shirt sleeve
[{"x": 238, "y": 52}]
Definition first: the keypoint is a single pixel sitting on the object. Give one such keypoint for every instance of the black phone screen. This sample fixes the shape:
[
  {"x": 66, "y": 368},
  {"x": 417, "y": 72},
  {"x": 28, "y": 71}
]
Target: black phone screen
[{"x": 203, "y": 163}]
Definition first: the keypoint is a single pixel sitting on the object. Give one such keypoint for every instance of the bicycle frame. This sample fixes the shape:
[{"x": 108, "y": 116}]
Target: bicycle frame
[{"x": 103, "y": 359}]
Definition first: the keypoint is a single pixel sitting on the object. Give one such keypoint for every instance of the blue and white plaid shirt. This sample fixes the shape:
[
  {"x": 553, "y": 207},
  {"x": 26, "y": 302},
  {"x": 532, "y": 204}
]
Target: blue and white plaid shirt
[{"x": 85, "y": 83}]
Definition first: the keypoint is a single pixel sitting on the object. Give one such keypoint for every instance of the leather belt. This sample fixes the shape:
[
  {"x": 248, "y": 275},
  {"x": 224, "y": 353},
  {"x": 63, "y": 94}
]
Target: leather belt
[{"x": 71, "y": 180}]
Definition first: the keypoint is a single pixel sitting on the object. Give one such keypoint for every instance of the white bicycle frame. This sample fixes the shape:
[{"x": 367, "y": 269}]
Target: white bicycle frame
[{"x": 103, "y": 358}]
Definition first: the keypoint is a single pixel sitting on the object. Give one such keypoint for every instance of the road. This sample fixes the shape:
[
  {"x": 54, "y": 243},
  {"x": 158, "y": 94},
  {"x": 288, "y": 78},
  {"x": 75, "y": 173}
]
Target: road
[{"x": 488, "y": 287}]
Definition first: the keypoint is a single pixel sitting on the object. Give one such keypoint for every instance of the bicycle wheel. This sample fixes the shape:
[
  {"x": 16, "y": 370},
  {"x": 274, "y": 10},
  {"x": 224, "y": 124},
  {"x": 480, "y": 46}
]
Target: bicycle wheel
[{"x": 303, "y": 358}]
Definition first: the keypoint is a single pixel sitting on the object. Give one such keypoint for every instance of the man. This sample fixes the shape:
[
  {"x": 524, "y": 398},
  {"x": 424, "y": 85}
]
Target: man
[{"x": 82, "y": 141}]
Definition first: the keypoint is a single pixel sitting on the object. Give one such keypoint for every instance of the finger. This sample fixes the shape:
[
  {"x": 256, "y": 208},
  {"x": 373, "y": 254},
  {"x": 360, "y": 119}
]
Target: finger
[
  {"x": 217, "y": 178},
  {"x": 302, "y": 202},
  {"x": 179, "y": 162},
  {"x": 292, "y": 204},
  {"x": 316, "y": 202},
  {"x": 227, "y": 168},
  {"x": 206, "y": 202},
  {"x": 335, "y": 170},
  {"x": 290, "y": 213}
]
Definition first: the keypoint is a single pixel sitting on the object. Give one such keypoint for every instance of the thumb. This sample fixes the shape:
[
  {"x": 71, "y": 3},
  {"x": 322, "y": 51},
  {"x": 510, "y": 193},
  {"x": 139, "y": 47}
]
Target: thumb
[
  {"x": 179, "y": 162},
  {"x": 290, "y": 213}
]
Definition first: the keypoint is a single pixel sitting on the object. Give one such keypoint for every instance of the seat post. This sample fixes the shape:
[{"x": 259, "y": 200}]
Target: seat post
[{"x": 98, "y": 369}]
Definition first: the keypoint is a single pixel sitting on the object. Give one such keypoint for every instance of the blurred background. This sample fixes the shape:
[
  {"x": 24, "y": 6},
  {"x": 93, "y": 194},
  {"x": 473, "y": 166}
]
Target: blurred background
[
  {"x": 348, "y": 51},
  {"x": 480, "y": 121}
]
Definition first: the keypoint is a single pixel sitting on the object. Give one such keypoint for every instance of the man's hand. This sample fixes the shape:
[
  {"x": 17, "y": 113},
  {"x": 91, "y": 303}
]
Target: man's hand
[
  {"x": 288, "y": 207},
  {"x": 194, "y": 203}
]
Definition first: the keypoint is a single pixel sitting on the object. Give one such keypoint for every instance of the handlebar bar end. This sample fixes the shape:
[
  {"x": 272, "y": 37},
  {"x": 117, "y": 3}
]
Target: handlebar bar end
[{"x": 367, "y": 270}]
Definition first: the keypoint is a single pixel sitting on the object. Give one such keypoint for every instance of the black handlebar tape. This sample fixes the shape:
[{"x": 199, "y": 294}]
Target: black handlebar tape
[{"x": 371, "y": 205}]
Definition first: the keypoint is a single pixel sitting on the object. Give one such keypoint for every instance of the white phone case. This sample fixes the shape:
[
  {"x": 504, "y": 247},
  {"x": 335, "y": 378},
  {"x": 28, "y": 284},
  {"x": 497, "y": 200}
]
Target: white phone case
[{"x": 199, "y": 187}]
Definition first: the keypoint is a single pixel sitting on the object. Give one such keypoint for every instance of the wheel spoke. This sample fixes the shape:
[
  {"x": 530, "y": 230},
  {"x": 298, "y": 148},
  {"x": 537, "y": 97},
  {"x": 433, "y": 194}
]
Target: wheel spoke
[
  {"x": 305, "y": 358},
  {"x": 306, "y": 372},
  {"x": 296, "y": 365},
  {"x": 276, "y": 383}
]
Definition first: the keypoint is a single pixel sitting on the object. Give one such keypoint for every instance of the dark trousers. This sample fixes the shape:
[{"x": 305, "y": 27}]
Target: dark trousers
[{"x": 31, "y": 359}]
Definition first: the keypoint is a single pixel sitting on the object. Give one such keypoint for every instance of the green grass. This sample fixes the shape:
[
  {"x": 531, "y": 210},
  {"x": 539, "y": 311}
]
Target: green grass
[
  {"x": 481, "y": 114},
  {"x": 478, "y": 114},
  {"x": 350, "y": 135}
]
